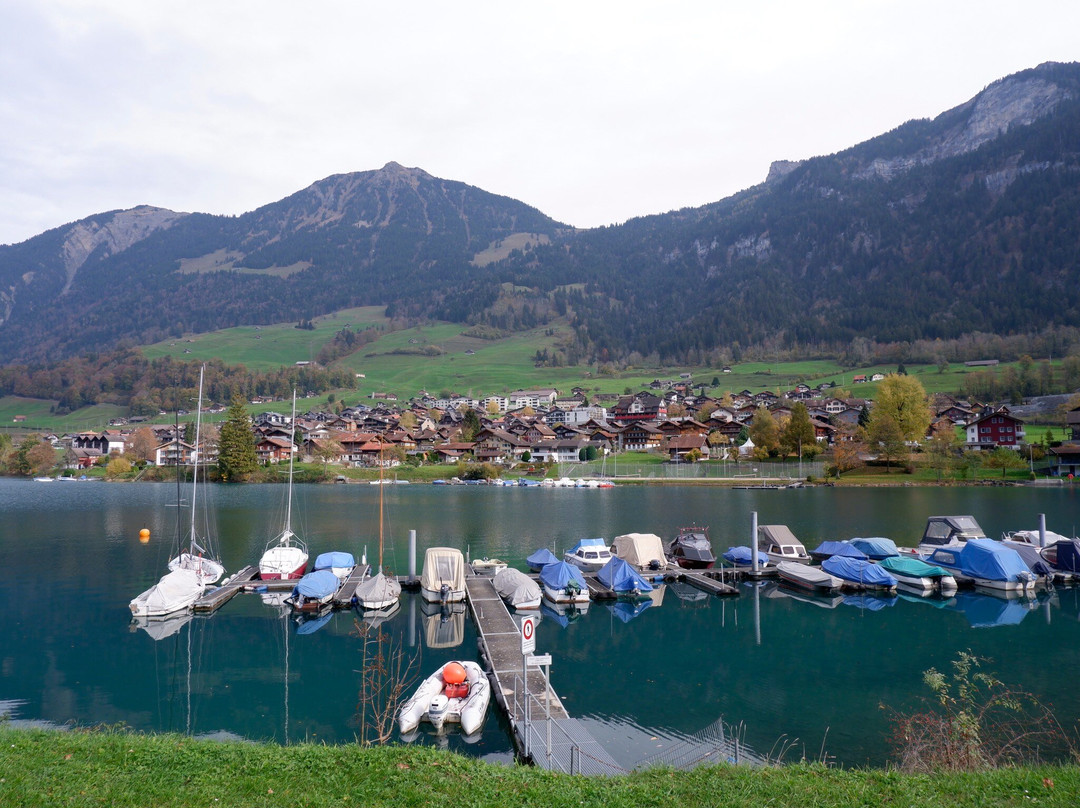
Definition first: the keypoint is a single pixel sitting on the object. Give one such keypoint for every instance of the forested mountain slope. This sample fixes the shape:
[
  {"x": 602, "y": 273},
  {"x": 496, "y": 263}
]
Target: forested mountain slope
[{"x": 969, "y": 222}]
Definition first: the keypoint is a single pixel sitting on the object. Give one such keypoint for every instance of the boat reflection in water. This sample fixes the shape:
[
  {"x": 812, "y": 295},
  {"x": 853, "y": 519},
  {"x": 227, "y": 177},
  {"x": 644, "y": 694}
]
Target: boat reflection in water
[{"x": 444, "y": 624}]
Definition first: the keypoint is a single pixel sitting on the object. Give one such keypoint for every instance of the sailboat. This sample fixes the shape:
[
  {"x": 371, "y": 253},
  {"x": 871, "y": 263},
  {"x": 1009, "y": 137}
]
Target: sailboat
[
  {"x": 285, "y": 556},
  {"x": 379, "y": 591},
  {"x": 196, "y": 557},
  {"x": 177, "y": 590}
]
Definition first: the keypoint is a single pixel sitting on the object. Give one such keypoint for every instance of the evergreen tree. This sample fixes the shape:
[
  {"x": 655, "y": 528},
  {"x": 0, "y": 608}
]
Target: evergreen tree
[{"x": 236, "y": 444}]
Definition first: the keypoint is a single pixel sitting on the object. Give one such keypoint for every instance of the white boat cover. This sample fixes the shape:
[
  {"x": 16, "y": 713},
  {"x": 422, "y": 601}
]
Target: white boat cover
[
  {"x": 443, "y": 565},
  {"x": 639, "y": 549},
  {"x": 378, "y": 591},
  {"x": 176, "y": 591},
  {"x": 517, "y": 588}
]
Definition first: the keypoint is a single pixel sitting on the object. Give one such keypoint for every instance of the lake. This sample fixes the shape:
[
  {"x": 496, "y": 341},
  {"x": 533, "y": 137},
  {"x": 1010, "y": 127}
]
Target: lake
[{"x": 806, "y": 676}]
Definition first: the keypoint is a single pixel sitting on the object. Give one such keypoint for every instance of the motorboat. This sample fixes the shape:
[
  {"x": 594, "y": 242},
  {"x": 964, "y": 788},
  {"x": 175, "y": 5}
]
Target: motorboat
[
  {"x": 622, "y": 579},
  {"x": 1064, "y": 556},
  {"x": 691, "y": 548},
  {"x": 589, "y": 554},
  {"x": 487, "y": 567},
  {"x": 1061, "y": 554},
  {"x": 859, "y": 573},
  {"x": 443, "y": 576},
  {"x": 917, "y": 574},
  {"x": 780, "y": 544},
  {"x": 314, "y": 591},
  {"x": 988, "y": 563},
  {"x": 517, "y": 589},
  {"x": 339, "y": 563},
  {"x": 177, "y": 591},
  {"x": 743, "y": 556},
  {"x": 643, "y": 551},
  {"x": 457, "y": 693},
  {"x": 285, "y": 556},
  {"x": 948, "y": 531},
  {"x": 814, "y": 579},
  {"x": 828, "y": 549},
  {"x": 564, "y": 583},
  {"x": 875, "y": 548}
]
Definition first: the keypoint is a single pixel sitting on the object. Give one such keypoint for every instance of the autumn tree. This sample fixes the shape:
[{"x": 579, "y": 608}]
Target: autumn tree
[
  {"x": 144, "y": 443},
  {"x": 903, "y": 400},
  {"x": 885, "y": 438},
  {"x": 1004, "y": 459},
  {"x": 798, "y": 431},
  {"x": 942, "y": 448},
  {"x": 764, "y": 431},
  {"x": 41, "y": 458}
]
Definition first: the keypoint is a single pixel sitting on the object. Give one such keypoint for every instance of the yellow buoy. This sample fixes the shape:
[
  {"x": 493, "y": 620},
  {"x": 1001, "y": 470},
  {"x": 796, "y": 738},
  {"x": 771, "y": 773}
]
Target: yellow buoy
[{"x": 144, "y": 536}]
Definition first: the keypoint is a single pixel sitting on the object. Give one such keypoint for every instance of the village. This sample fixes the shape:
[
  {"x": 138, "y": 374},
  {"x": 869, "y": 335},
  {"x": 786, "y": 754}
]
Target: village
[{"x": 544, "y": 426}]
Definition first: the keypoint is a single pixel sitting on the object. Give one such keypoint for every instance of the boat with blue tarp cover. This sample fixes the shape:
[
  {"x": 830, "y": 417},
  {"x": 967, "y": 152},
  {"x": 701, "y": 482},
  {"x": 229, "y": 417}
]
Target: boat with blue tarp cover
[
  {"x": 540, "y": 559},
  {"x": 564, "y": 583},
  {"x": 859, "y": 572},
  {"x": 918, "y": 574},
  {"x": 988, "y": 563},
  {"x": 828, "y": 549},
  {"x": 314, "y": 591},
  {"x": 623, "y": 580},
  {"x": 339, "y": 563},
  {"x": 876, "y": 548},
  {"x": 563, "y": 613},
  {"x": 742, "y": 556}
]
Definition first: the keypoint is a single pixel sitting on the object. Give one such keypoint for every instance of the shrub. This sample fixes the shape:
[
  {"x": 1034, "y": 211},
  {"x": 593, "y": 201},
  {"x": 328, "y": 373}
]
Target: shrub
[{"x": 973, "y": 721}]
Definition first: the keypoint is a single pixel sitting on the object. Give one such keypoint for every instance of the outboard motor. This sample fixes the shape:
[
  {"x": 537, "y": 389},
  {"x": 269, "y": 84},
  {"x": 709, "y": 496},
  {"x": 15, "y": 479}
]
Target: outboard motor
[
  {"x": 444, "y": 593},
  {"x": 437, "y": 710}
]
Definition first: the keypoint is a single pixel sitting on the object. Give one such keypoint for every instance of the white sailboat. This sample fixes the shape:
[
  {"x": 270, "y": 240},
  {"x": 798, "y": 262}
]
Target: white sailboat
[
  {"x": 285, "y": 556},
  {"x": 177, "y": 590},
  {"x": 196, "y": 557},
  {"x": 380, "y": 591}
]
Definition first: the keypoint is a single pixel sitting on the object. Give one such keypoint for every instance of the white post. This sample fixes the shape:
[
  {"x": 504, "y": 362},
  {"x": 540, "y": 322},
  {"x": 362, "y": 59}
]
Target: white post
[
  {"x": 753, "y": 541},
  {"x": 412, "y": 556}
]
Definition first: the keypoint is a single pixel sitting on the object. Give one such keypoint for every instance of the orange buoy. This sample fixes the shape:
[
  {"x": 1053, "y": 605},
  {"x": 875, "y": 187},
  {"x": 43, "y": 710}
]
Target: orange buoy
[
  {"x": 453, "y": 673},
  {"x": 144, "y": 536}
]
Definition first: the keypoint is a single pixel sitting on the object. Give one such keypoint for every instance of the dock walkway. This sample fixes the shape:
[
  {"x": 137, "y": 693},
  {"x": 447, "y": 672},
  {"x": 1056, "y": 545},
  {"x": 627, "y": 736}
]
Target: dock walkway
[
  {"x": 561, "y": 743},
  {"x": 219, "y": 596}
]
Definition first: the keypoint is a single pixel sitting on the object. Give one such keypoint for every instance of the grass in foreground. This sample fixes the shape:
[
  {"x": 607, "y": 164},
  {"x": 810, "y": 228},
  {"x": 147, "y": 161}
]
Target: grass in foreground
[{"x": 40, "y": 768}]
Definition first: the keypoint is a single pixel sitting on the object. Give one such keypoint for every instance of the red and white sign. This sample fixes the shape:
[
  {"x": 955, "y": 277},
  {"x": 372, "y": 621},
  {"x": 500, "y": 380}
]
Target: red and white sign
[{"x": 528, "y": 635}]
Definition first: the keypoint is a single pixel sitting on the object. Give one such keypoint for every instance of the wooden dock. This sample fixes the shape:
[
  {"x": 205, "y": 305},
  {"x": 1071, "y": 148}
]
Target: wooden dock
[
  {"x": 218, "y": 597},
  {"x": 707, "y": 582},
  {"x": 560, "y": 743},
  {"x": 344, "y": 596}
]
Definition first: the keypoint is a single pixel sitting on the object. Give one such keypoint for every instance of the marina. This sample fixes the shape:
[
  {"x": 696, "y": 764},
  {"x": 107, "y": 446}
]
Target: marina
[{"x": 731, "y": 646}]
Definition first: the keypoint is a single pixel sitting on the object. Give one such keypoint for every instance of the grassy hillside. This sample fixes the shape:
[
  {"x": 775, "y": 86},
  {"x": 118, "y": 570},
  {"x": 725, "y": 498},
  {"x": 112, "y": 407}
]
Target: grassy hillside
[{"x": 267, "y": 346}]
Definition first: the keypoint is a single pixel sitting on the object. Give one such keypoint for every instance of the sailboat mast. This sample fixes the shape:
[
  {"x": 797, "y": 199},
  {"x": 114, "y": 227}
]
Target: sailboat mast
[
  {"x": 192, "y": 543},
  {"x": 292, "y": 451},
  {"x": 380, "y": 503}
]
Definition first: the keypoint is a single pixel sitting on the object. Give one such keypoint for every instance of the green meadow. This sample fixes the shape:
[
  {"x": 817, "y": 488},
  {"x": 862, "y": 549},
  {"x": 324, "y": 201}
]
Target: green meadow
[{"x": 440, "y": 357}]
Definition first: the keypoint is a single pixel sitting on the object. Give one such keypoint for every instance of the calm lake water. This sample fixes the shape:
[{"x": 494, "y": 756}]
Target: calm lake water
[{"x": 810, "y": 675}]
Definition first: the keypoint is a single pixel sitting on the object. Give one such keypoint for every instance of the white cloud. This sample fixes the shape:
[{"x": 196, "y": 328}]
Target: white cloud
[{"x": 593, "y": 112}]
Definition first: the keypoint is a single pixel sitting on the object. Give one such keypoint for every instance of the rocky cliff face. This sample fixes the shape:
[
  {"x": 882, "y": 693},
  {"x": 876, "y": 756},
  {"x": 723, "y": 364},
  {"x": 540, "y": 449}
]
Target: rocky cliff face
[
  {"x": 1015, "y": 101},
  {"x": 113, "y": 233}
]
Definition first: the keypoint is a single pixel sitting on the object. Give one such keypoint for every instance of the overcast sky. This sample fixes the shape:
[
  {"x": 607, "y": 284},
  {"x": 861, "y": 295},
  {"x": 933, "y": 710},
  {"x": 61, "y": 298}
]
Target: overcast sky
[{"x": 593, "y": 112}]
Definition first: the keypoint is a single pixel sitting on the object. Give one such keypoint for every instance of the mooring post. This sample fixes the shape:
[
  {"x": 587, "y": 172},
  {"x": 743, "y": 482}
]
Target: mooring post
[
  {"x": 412, "y": 556},
  {"x": 1042, "y": 529},
  {"x": 753, "y": 542}
]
